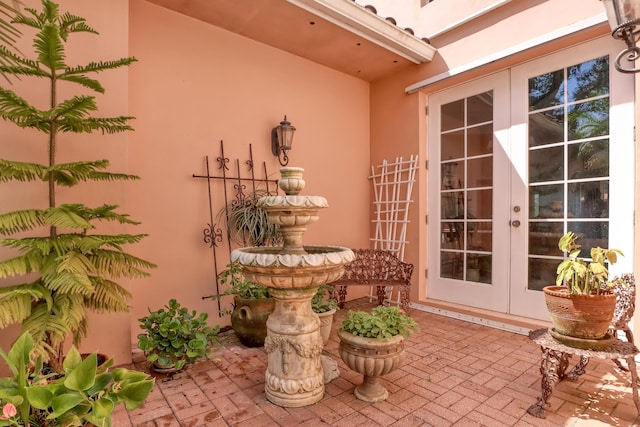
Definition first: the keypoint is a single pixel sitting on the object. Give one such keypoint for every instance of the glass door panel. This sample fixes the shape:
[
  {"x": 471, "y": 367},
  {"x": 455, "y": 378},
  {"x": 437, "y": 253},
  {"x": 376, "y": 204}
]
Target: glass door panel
[
  {"x": 464, "y": 180},
  {"x": 572, "y": 147},
  {"x": 568, "y": 168},
  {"x": 466, "y": 186}
]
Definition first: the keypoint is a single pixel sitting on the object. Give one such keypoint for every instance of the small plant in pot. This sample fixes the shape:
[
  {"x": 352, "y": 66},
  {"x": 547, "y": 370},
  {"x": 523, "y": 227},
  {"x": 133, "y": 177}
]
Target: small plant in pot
[
  {"x": 372, "y": 344},
  {"x": 252, "y": 306},
  {"x": 175, "y": 336},
  {"x": 325, "y": 306},
  {"x": 582, "y": 302}
]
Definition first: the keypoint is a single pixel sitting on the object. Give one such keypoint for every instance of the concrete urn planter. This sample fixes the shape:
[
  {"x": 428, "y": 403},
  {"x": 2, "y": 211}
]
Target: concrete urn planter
[
  {"x": 326, "y": 321},
  {"x": 372, "y": 358}
]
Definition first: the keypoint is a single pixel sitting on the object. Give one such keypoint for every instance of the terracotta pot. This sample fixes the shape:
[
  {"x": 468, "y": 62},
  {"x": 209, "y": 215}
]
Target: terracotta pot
[
  {"x": 372, "y": 358},
  {"x": 249, "y": 319},
  {"x": 326, "y": 321},
  {"x": 580, "y": 316}
]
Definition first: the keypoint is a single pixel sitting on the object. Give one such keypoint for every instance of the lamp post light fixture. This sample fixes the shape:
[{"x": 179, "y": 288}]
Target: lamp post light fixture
[
  {"x": 281, "y": 140},
  {"x": 624, "y": 17}
]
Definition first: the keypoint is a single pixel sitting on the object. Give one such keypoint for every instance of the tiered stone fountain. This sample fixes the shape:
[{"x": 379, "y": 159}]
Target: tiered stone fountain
[{"x": 295, "y": 375}]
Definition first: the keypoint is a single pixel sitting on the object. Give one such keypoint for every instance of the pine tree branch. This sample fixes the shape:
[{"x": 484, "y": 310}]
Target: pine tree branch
[
  {"x": 48, "y": 45},
  {"x": 22, "y": 171},
  {"x": 18, "y": 221}
]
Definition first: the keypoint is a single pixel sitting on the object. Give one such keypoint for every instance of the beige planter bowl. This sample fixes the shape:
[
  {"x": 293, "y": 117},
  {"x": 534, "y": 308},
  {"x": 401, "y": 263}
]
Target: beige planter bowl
[{"x": 372, "y": 358}]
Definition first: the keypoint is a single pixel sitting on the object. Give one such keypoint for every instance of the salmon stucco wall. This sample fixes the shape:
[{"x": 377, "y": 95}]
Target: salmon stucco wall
[{"x": 197, "y": 84}]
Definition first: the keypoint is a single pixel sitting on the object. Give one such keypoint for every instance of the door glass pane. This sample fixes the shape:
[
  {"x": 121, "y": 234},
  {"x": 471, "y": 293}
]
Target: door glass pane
[
  {"x": 480, "y": 140},
  {"x": 589, "y": 159},
  {"x": 568, "y": 164},
  {"x": 546, "y": 127},
  {"x": 466, "y": 188}
]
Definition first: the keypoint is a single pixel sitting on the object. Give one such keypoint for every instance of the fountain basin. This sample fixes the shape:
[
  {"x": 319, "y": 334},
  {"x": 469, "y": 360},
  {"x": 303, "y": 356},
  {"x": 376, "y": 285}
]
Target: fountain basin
[{"x": 268, "y": 266}]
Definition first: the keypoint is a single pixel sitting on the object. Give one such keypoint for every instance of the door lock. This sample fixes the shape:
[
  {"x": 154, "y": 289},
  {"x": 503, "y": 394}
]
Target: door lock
[{"x": 515, "y": 223}]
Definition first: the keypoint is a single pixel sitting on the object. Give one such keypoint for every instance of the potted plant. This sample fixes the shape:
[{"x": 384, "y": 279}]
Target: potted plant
[
  {"x": 248, "y": 223},
  {"x": 175, "y": 336},
  {"x": 372, "y": 344},
  {"x": 252, "y": 306},
  {"x": 325, "y": 306},
  {"x": 68, "y": 265},
  {"x": 582, "y": 302},
  {"x": 83, "y": 394}
]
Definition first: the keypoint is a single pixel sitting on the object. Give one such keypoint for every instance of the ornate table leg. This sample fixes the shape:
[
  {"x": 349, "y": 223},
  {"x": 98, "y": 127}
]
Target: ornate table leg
[
  {"x": 552, "y": 367},
  {"x": 631, "y": 363},
  {"x": 579, "y": 369}
]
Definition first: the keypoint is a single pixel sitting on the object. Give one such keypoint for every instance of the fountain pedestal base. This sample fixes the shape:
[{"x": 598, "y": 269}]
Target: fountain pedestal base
[{"x": 294, "y": 375}]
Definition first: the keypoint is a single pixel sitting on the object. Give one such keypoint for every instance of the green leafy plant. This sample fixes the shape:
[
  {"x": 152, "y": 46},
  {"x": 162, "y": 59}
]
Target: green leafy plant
[
  {"x": 382, "y": 322},
  {"x": 83, "y": 394},
  {"x": 322, "y": 301},
  {"x": 248, "y": 223},
  {"x": 69, "y": 268},
  {"x": 176, "y": 336},
  {"x": 582, "y": 277},
  {"x": 238, "y": 285}
]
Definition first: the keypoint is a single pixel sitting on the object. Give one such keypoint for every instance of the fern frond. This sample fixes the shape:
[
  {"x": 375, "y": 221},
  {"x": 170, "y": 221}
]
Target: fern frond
[
  {"x": 48, "y": 45},
  {"x": 96, "y": 67},
  {"x": 73, "y": 24},
  {"x": 17, "y": 221},
  {"x": 109, "y": 125},
  {"x": 69, "y": 174},
  {"x": 107, "y": 213},
  {"x": 83, "y": 81},
  {"x": 23, "y": 264},
  {"x": 15, "y": 59},
  {"x": 116, "y": 241},
  {"x": 14, "y": 306},
  {"x": 104, "y": 212},
  {"x": 19, "y": 111},
  {"x": 118, "y": 264},
  {"x": 21, "y": 171},
  {"x": 108, "y": 297},
  {"x": 47, "y": 328},
  {"x": 73, "y": 109},
  {"x": 23, "y": 19},
  {"x": 67, "y": 282},
  {"x": 64, "y": 217},
  {"x": 16, "y": 301}
]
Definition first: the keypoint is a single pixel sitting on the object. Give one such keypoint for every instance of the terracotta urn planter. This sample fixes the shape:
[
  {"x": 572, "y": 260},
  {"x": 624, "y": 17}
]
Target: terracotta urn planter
[
  {"x": 580, "y": 318},
  {"x": 249, "y": 319},
  {"x": 372, "y": 358}
]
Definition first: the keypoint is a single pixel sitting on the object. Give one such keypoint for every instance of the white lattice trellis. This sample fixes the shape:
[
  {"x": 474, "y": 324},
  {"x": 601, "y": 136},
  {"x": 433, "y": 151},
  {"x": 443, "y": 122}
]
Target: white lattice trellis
[{"x": 392, "y": 185}]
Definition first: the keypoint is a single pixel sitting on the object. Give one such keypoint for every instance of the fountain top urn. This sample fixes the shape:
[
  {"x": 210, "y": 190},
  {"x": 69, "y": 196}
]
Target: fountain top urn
[{"x": 293, "y": 265}]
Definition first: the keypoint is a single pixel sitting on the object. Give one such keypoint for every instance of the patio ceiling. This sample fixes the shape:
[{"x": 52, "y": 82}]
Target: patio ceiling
[{"x": 339, "y": 34}]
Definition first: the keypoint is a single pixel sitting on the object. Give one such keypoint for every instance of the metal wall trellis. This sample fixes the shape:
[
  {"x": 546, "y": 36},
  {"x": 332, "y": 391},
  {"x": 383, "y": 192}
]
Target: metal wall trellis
[{"x": 236, "y": 186}]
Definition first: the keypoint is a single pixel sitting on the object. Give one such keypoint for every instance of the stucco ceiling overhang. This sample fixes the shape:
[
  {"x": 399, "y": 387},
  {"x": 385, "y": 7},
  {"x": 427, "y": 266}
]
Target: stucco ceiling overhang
[{"x": 339, "y": 34}]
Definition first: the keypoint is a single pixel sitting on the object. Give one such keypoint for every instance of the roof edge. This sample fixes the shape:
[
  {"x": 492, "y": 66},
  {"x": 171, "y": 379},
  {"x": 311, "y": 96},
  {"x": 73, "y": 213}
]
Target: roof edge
[{"x": 358, "y": 20}]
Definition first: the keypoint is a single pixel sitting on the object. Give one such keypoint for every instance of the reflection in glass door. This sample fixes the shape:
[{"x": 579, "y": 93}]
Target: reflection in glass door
[
  {"x": 568, "y": 163},
  {"x": 466, "y": 190}
]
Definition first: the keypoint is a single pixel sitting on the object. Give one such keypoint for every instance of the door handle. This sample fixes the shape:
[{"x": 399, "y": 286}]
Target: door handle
[{"x": 515, "y": 223}]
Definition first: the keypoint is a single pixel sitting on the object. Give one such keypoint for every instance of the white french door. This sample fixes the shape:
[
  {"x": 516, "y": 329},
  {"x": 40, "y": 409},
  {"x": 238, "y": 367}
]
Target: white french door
[{"x": 517, "y": 159}]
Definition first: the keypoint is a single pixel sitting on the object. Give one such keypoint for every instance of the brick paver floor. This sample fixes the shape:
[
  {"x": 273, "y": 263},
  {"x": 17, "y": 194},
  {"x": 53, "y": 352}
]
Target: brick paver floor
[{"x": 456, "y": 374}]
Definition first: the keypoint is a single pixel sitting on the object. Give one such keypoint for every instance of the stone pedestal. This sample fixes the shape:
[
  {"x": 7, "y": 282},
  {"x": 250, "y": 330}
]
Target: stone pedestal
[{"x": 294, "y": 375}]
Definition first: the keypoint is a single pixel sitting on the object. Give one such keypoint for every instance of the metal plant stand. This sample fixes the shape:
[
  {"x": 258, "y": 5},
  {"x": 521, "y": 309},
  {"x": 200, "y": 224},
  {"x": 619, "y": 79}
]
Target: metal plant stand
[{"x": 555, "y": 361}]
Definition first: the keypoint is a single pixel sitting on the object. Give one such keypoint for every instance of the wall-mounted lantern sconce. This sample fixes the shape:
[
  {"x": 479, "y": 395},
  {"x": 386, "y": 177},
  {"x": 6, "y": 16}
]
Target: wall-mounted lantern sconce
[
  {"x": 281, "y": 140},
  {"x": 624, "y": 17}
]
